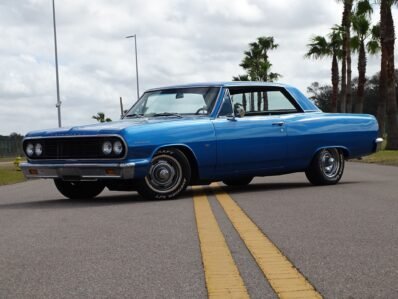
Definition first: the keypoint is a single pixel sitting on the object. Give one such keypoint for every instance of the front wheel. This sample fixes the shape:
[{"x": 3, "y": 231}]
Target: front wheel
[
  {"x": 168, "y": 175},
  {"x": 79, "y": 190},
  {"x": 326, "y": 168}
]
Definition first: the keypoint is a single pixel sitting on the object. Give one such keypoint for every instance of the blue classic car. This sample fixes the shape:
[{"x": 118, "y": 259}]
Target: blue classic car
[{"x": 194, "y": 134}]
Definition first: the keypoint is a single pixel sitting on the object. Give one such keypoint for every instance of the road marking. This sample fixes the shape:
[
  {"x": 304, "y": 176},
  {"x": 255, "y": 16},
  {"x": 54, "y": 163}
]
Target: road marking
[
  {"x": 222, "y": 276},
  {"x": 283, "y": 277}
]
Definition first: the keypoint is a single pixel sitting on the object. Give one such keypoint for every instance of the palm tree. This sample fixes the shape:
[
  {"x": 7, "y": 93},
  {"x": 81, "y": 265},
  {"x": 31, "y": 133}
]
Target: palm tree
[
  {"x": 346, "y": 101},
  {"x": 100, "y": 117},
  {"x": 267, "y": 43},
  {"x": 387, "y": 72},
  {"x": 319, "y": 48},
  {"x": 241, "y": 78},
  {"x": 364, "y": 30},
  {"x": 256, "y": 61}
]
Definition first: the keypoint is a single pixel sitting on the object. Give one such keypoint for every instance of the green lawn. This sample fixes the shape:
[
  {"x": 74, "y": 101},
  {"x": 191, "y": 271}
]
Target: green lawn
[
  {"x": 8, "y": 175},
  {"x": 383, "y": 157},
  {"x": 7, "y": 159}
]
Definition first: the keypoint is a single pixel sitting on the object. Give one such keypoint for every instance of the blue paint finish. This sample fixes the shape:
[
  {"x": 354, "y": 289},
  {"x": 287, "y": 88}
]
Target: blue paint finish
[
  {"x": 250, "y": 144},
  {"x": 256, "y": 145}
]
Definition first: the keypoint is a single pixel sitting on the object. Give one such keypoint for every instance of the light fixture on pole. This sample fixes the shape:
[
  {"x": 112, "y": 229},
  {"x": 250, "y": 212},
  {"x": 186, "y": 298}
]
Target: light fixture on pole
[
  {"x": 58, "y": 105},
  {"x": 136, "y": 62}
]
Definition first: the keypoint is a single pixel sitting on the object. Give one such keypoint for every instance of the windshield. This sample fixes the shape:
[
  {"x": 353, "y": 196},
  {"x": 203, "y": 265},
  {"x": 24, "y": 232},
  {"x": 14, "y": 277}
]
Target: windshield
[{"x": 175, "y": 102}]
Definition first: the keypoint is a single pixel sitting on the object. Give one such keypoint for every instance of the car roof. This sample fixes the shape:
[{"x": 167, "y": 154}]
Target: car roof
[{"x": 222, "y": 84}]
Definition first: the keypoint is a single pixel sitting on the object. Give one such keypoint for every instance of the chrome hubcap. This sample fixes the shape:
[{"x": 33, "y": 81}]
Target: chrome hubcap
[
  {"x": 330, "y": 162},
  {"x": 164, "y": 175}
]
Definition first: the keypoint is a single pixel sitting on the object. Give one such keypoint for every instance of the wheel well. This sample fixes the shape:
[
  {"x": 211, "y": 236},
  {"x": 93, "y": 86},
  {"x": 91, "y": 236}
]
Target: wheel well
[
  {"x": 191, "y": 158},
  {"x": 344, "y": 150}
]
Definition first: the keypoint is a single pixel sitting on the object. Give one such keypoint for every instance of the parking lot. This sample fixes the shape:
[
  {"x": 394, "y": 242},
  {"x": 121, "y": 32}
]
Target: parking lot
[{"x": 341, "y": 240}]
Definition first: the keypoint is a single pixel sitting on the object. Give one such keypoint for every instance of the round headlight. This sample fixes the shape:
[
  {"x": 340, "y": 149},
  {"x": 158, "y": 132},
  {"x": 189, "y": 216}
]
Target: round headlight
[
  {"x": 38, "y": 149},
  {"x": 107, "y": 148},
  {"x": 30, "y": 149},
  {"x": 117, "y": 147}
]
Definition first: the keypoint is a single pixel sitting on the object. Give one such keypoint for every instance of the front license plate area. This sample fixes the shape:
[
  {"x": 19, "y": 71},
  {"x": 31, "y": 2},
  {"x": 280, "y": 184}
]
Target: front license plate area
[
  {"x": 70, "y": 174},
  {"x": 71, "y": 178}
]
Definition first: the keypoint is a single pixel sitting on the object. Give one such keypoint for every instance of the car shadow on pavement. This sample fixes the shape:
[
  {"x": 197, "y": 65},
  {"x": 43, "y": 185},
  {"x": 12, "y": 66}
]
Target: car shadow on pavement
[
  {"x": 64, "y": 203},
  {"x": 274, "y": 186}
]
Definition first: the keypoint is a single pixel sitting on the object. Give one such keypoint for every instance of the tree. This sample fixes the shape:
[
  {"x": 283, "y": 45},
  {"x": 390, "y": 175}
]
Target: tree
[
  {"x": 321, "y": 95},
  {"x": 320, "y": 47},
  {"x": 360, "y": 43},
  {"x": 387, "y": 72},
  {"x": 346, "y": 100},
  {"x": 241, "y": 78},
  {"x": 256, "y": 61},
  {"x": 100, "y": 117}
]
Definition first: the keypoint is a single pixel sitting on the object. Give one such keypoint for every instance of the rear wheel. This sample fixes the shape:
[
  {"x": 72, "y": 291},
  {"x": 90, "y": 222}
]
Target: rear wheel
[
  {"x": 326, "y": 168},
  {"x": 238, "y": 181},
  {"x": 79, "y": 190},
  {"x": 168, "y": 175}
]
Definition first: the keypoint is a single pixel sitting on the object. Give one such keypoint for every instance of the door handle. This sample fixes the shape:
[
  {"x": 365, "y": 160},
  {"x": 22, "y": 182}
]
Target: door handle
[{"x": 279, "y": 123}]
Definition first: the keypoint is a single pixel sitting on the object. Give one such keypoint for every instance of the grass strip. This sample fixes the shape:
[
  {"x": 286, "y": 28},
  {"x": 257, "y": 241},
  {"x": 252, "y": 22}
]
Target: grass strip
[{"x": 9, "y": 175}]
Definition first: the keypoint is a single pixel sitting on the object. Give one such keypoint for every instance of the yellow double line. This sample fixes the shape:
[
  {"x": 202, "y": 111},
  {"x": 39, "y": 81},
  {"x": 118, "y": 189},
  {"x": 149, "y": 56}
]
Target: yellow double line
[{"x": 222, "y": 275}]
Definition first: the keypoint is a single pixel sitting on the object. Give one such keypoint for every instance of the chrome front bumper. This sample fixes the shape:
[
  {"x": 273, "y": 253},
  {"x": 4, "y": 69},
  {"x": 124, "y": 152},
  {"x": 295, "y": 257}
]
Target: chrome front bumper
[
  {"x": 79, "y": 171},
  {"x": 378, "y": 143}
]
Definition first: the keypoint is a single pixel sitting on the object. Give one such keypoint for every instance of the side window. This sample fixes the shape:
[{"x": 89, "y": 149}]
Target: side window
[
  {"x": 226, "y": 108},
  {"x": 265, "y": 101},
  {"x": 277, "y": 101}
]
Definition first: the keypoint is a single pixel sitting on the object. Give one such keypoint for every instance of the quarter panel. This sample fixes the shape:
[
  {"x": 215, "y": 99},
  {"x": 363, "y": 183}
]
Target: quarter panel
[{"x": 309, "y": 132}]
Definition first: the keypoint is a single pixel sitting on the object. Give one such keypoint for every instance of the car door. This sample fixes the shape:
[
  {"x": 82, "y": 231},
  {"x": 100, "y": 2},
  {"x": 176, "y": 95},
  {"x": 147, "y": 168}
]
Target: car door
[{"x": 257, "y": 142}]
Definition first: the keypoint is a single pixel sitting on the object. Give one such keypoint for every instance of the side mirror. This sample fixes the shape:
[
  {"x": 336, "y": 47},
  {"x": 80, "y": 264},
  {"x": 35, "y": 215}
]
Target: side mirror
[{"x": 239, "y": 111}]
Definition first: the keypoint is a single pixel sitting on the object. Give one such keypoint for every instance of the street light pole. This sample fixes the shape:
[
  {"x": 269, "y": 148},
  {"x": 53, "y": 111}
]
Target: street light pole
[
  {"x": 58, "y": 105},
  {"x": 136, "y": 62}
]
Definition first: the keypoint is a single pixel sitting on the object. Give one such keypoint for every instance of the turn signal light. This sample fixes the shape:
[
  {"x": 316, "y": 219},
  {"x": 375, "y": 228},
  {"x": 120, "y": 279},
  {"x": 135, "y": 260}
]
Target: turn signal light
[
  {"x": 110, "y": 171},
  {"x": 33, "y": 171}
]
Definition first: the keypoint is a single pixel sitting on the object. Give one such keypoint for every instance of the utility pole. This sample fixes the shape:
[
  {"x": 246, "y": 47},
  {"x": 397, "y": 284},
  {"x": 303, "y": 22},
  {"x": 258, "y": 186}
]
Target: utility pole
[
  {"x": 136, "y": 62},
  {"x": 58, "y": 105}
]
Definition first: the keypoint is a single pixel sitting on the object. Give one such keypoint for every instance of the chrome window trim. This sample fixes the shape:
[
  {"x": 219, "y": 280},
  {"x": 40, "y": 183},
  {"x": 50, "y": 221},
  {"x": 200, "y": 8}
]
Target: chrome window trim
[
  {"x": 281, "y": 87},
  {"x": 78, "y": 136},
  {"x": 222, "y": 103},
  {"x": 184, "y": 87}
]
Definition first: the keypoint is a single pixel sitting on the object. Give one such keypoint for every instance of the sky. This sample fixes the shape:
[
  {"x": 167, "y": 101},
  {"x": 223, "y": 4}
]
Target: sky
[{"x": 178, "y": 42}]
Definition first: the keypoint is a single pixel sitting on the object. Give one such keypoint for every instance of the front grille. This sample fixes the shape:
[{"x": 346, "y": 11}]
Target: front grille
[{"x": 74, "y": 147}]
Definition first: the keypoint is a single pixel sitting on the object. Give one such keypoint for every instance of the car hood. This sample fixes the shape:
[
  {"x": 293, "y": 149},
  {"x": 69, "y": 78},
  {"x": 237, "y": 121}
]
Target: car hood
[{"x": 114, "y": 127}]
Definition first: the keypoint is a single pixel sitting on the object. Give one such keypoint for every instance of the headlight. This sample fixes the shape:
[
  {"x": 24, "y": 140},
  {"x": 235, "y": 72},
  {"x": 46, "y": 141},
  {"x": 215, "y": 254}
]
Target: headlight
[
  {"x": 30, "y": 149},
  {"x": 117, "y": 147},
  {"x": 107, "y": 148},
  {"x": 38, "y": 149}
]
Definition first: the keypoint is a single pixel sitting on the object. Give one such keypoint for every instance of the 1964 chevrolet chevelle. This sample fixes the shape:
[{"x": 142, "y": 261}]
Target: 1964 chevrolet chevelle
[{"x": 199, "y": 133}]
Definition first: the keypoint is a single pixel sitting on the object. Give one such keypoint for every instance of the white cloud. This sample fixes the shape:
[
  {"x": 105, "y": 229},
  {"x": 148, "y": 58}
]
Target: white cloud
[{"x": 178, "y": 42}]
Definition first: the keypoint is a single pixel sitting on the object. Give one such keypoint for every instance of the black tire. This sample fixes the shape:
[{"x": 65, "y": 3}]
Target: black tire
[
  {"x": 326, "y": 168},
  {"x": 238, "y": 181},
  {"x": 79, "y": 190},
  {"x": 168, "y": 176}
]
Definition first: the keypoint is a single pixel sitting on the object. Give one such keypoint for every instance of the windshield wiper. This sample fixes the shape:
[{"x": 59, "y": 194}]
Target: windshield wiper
[
  {"x": 135, "y": 115},
  {"x": 166, "y": 114}
]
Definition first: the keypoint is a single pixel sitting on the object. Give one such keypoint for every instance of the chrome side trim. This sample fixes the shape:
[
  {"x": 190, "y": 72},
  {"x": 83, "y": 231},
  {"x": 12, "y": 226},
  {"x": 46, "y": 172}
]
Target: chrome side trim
[
  {"x": 378, "y": 143},
  {"x": 78, "y": 136},
  {"x": 79, "y": 171}
]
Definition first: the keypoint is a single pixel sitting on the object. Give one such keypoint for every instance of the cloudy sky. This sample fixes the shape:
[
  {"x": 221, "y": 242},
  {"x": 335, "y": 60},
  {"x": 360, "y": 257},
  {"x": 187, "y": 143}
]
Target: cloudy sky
[{"x": 178, "y": 42}]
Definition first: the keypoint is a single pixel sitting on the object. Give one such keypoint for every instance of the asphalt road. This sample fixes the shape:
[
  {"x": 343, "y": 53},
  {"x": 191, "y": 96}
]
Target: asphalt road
[{"x": 343, "y": 239}]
